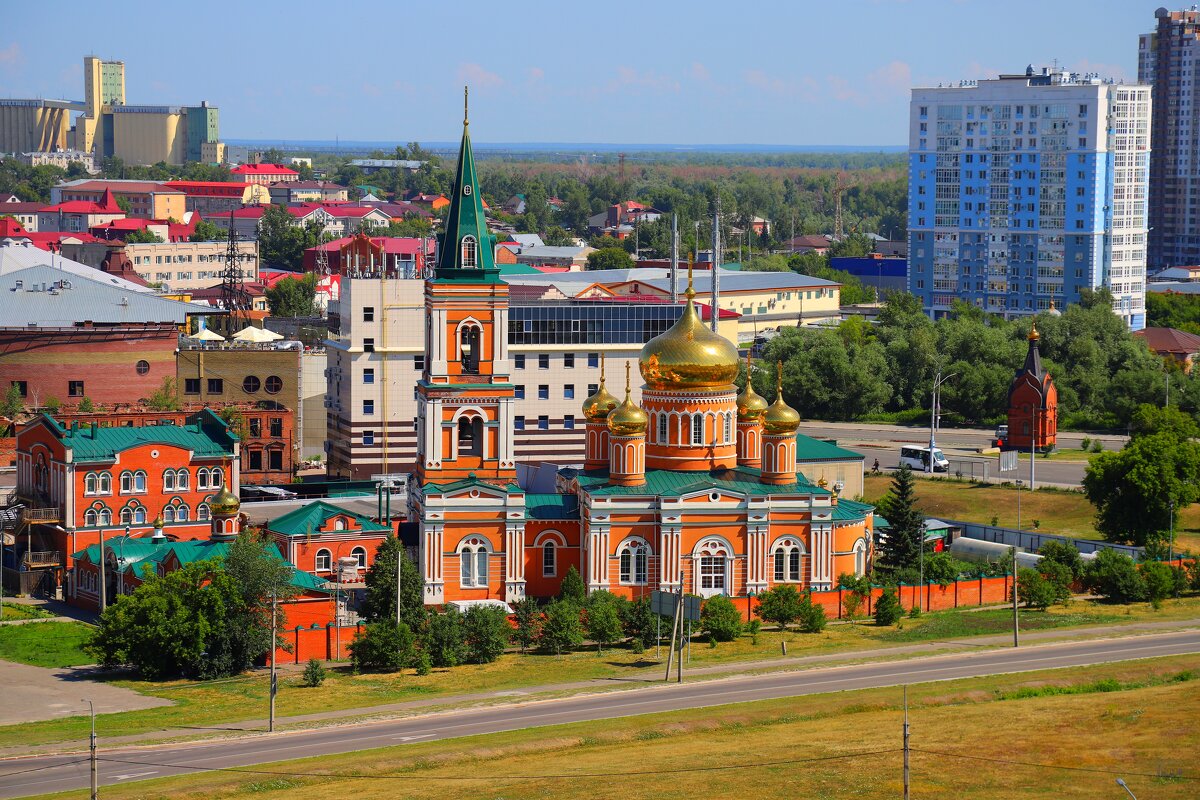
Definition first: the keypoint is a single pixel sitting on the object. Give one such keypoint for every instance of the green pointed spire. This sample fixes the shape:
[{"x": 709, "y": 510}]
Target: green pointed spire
[{"x": 465, "y": 250}]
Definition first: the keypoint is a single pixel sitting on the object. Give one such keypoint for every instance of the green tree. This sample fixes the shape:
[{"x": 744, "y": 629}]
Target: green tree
[
  {"x": 811, "y": 616},
  {"x": 314, "y": 673},
  {"x": 720, "y": 620},
  {"x": 561, "y": 629},
  {"x": 609, "y": 258},
  {"x": 1060, "y": 578},
  {"x": 164, "y": 629},
  {"x": 86, "y": 406},
  {"x": 13, "y": 403},
  {"x": 443, "y": 639},
  {"x": 1133, "y": 489},
  {"x": 888, "y": 610},
  {"x": 1065, "y": 554},
  {"x": 901, "y": 546},
  {"x": 943, "y": 568},
  {"x": 142, "y": 236},
  {"x": 572, "y": 587},
  {"x": 555, "y": 236},
  {"x": 281, "y": 242},
  {"x": 379, "y": 602},
  {"x": 640, "y": 622},
  {"x": 529, "y": 622},
  {"x": 206, "y": 231},
  {"x": 261, "y": 575},
  {"x": 1033, "y": 590},
  {"x": 1114, "y": 577},
  {"x": 294, "y": 297},
  {"x": 859, "y": 588},
  {"x": 165, "y": 397},
  {"x": 486, "y": 633},
  {"x": 1162, "y": 581},
  {"x": 385, "y": 646},
  {"x": 779, "y": 604},
  {"x": 603, "y": 623}
]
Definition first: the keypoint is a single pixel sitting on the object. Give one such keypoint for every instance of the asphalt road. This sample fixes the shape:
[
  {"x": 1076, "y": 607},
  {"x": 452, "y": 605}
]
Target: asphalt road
[
  {"x": 961, "y": 446},
  {"x": 40, "y": 774}
]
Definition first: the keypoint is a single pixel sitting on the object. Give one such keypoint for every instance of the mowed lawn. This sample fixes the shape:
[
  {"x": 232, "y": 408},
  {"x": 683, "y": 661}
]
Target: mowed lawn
[
  {"x": 211, "y": 706},
  {"x": 1060, "y": 512},
  {"x": 1134, "y": 719},
  {"x": 45, "y": 644}
]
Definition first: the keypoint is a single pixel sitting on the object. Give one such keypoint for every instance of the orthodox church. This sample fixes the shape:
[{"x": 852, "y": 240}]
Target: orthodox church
[{"x": 699, "y": 484}]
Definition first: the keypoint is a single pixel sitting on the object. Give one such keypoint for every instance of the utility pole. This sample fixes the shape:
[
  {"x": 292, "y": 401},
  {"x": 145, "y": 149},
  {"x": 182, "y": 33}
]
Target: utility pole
[
  {"x": 92, "y": 752},
  {"x": 1018, "y": 482},
  {"x": 675, "y": 627},
  {"x": 679, "y": 656},
  {"x": 1016, "y": 621},
  {"x": 274, "y": 676},
  {"x": 906, "y": 770},
  {"x": 934, "y": 408},
  {"x": 399, "y": 573}
]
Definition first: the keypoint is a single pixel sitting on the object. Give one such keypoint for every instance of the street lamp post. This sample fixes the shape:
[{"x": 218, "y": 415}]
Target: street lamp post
[
  {"x": 92, "y": 751},
  {"x": 934, "y": 407},
  {"x": 1018, "y": 482},
  {"x": 1125, "y": 786}
]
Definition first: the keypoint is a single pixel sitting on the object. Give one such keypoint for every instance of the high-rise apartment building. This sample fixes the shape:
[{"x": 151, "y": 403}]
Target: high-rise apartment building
[
  {"x": 1169, "y": 61},
  {"x": 1028, "y": 189}
]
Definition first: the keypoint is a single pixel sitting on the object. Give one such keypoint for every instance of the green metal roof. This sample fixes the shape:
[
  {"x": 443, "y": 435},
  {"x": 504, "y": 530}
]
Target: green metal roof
[
  {"x": 308, "y": 519},
  {"x": 468, "y": 482},
  {"x": 519, "y": 269},
  {"x": 742, "y": 480},
  {"x": 465, "y": 217},
  {"x": 851, "y": 511},
  {"x": 551, "y": 506},
  {"x": 810, "y": 449},
  {"x": 206, "y": 436}
]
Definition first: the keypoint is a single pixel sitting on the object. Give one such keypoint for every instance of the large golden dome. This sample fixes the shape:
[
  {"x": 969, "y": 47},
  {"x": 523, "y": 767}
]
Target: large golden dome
[
  {"x": 780, "y": 417},
  {"x": 225, "y": 504},
  {"x": 750, "y": 404},
  {"x": 689, "y": 355},
  {"x": 628, "y": 419},
  {"x": 596, "y": 407}
]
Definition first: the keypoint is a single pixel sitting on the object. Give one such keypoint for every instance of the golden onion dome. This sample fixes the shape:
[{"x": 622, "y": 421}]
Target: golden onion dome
[
  {"x": 628, "y": 419},
  {"x": 225, "y": 504},
  {"x": 688, "y": 355},
  {"x": 780, "y": 417},
  {"x": 1033, "y": 333},
  {"x": 750, "y": 404},
  {"x": 596, "y": 407}
]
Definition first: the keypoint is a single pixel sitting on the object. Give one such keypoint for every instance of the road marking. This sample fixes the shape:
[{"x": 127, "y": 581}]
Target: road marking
[
  {"x": 410, "y": 738},
  {"x": 132, "y": 775}
]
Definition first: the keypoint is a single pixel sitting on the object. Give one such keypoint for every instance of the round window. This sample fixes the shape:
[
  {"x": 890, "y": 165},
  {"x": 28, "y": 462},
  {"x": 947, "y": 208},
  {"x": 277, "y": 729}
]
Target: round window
[
  {"x": 143, "y": 367},
  {"x": 250, "y": 384},
  {"x": 274, "y": 384}
]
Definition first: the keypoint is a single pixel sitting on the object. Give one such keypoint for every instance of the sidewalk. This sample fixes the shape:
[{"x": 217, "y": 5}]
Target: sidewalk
[{"x": 644, "y": 677}]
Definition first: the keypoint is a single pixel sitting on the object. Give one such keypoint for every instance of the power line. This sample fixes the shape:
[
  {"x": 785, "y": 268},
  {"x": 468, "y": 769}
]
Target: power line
[
  {"x": 39, "y": 769},
  {"x": 1057, "y": 766},
  {"x": 564, "y": 776}
]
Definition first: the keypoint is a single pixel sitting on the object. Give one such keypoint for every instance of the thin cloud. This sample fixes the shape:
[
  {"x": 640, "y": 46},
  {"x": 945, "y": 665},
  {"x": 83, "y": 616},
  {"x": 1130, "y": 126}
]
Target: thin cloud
[
  {"x": 477, "y": 77},
  {"x": 12, "y": 55}
]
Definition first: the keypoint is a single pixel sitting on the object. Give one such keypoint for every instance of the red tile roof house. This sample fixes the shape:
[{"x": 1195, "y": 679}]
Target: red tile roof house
[
  {"x": 77, "y": 216},
  {"x": 1173, "y": 343},
  {"x": 264, "y": 173}
]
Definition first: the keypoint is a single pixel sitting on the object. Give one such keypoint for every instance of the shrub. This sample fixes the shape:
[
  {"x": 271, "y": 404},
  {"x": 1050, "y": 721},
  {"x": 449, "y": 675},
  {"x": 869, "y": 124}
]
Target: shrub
[
  {"x": 422, "y": 664},
  {"x": 1097, "y": 446},
  {"x": 888, "y": 610},
  {"x": 914, "y": 612},
  {"x": 1033, "y": 590},
  {"x": 754, "y": 627},
  {"x": 858, "y": 588},
  {"x": 385, "y": 646},
  {"x": 1062, "y": 553},
  {"x": 485, "y": 633},
  {"x": 943, "y": 569},
  {"x": 1059, "y": 577},
  {"x": 86, "y": 406},
  {"x": 1162, "y": 581},
  {"x": 720, "y": 619},
  {"x": 529, "y": 622},
  {"x": 561, "y": 629},
  {"x": 780, "y": 605},
  {"x": 444, "y": 638},
  {"x": 314, "y": 673},
  {"x": 572, "y": 587},
  {"x": 1085, "y": 443},
  {"x": 812, "y": 615},
  {"x": 1114, "y": 577}
]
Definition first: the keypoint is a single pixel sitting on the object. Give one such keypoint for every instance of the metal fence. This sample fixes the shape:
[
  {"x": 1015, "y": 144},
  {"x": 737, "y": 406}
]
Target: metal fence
[{"x": 1032, "y": 542}]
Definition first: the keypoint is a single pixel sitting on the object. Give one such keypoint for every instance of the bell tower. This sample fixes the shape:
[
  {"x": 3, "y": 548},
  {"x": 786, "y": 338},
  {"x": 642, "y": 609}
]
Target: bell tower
[{"x": 465, "y": 398}]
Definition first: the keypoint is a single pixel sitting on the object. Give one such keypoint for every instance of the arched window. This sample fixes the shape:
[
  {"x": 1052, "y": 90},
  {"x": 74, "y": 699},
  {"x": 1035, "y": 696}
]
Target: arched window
[
  {"x": 728, "y": 428},
  {"x": 169, "y": 481},
  {"x": 324, "y": 561},
  {"x": 202, "y": 478},
  {"x": 105, "y": 517},
  {"x": 712, "y": 561},
  {"x": 139, "y": 516},
  {"x": 105, "y": 483},
  {"x": 697, "y": 429},
  {"x": 202, "y": 512},
  {"x": 470, "y": 252},
  {"x": 662, "y": 428},
  {"x": 360, "y": 553},
  {"x": 126, "y": 515},
  {"x": 860, "y": 557},
  {"x": 139, "y": 481},
  {"x": 468, "y": 345},
  {"x": 126, "y": 482},
  {"x": 90, "y": 518},
  {"x": 473, "y": 563},
  {"x": 786, "y": 557},
  {"x": 215, "y": 478},
  {"x": 90, "y": 483},
  {"x": 633, "y": 559},
  {"x": 181, "y": 480},
  {"x": 470, "y": 436},
  {"x": 169, "y": 514},
  {"x": 181, "y": 513},
  {"x": 549, "y": 560},
  {"x": 339, "y": 524}
]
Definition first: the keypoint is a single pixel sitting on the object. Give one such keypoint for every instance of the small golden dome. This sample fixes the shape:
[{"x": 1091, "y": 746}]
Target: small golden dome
[
  {"x": 158, "y": 522},
  {"x": 225, "y": 504},
  {"x": 628, "y": 419},
  {"x": 596, "y": 407},
  {"x": 780, "y": 417},
  {"x": 688, "y": 355},
  {"x": 750, "y": 404},
  {"x": 1033, "y": 333}
]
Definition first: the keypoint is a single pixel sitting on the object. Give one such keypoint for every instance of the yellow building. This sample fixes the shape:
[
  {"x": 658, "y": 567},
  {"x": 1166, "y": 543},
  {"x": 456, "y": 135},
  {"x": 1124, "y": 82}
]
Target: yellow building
[
  {"x": 34, "y": 125},
  {"x": 149, "y": 134},
  {"x": 147, "y": 199}
]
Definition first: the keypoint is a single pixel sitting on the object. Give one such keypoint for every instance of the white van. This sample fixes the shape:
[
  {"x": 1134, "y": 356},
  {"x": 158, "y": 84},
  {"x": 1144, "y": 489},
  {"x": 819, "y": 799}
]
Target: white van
[{"x": 918, "y": 459}]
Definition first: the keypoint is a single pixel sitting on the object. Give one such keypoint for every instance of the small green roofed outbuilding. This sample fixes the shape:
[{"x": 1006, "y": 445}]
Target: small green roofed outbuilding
[{"x": 309, "y": 519}]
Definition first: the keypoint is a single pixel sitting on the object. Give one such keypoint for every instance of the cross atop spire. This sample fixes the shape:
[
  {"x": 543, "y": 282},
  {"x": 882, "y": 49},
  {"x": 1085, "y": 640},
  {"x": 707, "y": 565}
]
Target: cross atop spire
[
  {"x": 466, "y": 116},
  {"x": 691, "y": 291},
  {"x": 627, "y": 384}
]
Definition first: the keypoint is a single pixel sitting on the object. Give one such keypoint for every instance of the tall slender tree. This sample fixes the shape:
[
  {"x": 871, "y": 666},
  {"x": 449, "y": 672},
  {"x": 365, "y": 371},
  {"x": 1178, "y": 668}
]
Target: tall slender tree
[
  {"x": 380, "y": 601},
  {"x": 901, "y": 545}
]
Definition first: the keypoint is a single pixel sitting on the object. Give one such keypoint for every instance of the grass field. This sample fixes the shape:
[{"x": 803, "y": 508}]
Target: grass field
[
  {"x": 45, "y": 644},
  {"x": 1061, "y": 512},
  {"x": 22, "y": 611},
  {"x": 990, "y": 738},
  {"x": 211, "y": 705}
]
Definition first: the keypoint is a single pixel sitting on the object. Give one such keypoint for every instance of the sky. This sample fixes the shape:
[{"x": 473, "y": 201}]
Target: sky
[{"x": 835, "y": 72}]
